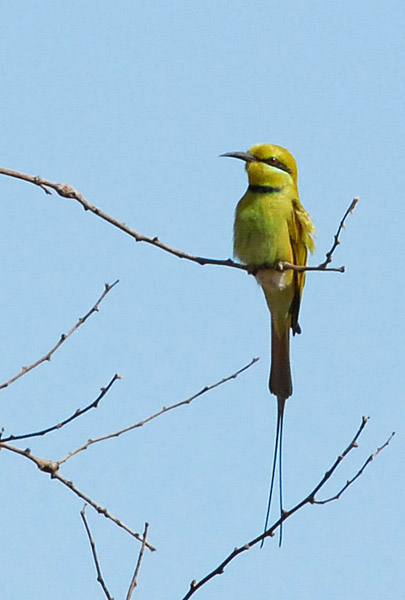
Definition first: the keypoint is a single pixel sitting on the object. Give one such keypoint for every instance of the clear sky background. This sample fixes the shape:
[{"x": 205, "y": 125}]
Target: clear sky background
[{"x": 132, "y": 102}]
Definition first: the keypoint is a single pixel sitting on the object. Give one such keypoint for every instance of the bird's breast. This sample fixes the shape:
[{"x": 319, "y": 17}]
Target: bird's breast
[{"x": 261, "y": 234}]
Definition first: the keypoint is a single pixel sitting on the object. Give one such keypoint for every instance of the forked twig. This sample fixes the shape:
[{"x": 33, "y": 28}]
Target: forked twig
[
  {"x": 165, "y": 409},
  {"x": 52, "y": 468},
  {"x": 359, "y": 472},
  {"x": 309, "y": 499},
  {"x": 100, "y": 578},
  {"x": 62, "y": 339}
]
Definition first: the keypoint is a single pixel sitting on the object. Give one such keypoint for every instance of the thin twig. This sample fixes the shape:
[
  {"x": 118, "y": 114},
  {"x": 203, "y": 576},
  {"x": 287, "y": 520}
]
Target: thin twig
[
  {"x": 165, "y": 409},
  {"x": 100, "y": 578},
  {"x": 78, "y": 413},
  {"x": 134, "y": 581},
  {"x": 52, "y": 467},
  {"x": 68, "y": 191},
  {"x": 63, "y": 338},
  {"x": 285, "y": 266},
  {"x": 309, "y": 499},
  {"x": 336, "y": 240}
]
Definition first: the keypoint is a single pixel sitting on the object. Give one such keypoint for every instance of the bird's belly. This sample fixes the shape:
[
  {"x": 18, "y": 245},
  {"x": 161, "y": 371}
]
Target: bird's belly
[{"x": 272, "y": 280}]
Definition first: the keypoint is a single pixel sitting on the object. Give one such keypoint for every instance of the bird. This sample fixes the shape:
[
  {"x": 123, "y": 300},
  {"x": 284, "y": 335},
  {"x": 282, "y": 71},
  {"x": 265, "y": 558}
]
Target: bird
[{"x": 271, "y": 227}]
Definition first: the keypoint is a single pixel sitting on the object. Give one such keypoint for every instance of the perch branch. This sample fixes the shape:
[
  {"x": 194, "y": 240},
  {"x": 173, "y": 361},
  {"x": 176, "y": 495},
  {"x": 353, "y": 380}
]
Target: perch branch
[{"x": 65, "y": 190}]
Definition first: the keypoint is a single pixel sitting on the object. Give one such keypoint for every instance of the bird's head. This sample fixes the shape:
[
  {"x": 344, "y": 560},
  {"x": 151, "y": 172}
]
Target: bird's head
[{"x": 267, "y": 164}]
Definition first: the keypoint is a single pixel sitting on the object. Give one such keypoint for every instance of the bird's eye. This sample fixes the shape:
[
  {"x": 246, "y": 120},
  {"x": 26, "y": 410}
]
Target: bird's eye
[{"x": 272, "y": 160}]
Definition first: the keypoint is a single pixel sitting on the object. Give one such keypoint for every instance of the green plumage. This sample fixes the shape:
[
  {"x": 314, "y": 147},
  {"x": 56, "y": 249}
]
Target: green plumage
[{"x": 271, "y": 226}]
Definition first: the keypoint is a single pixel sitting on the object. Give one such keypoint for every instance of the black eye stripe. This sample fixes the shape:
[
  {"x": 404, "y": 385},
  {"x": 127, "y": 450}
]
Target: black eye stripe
[{"x": 275, "y": 162}]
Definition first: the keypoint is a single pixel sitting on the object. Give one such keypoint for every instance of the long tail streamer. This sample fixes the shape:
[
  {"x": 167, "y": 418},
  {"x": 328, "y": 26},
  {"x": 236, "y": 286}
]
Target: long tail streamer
[{"x": 278, "y": 453}]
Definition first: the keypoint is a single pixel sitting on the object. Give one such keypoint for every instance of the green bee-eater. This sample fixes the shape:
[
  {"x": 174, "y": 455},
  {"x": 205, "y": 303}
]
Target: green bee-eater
[{"x": 271, "y": 225}]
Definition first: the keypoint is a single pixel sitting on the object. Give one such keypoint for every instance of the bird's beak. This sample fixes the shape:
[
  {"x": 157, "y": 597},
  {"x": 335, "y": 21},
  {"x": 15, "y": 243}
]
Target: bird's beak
[{"x": 242, "y": 155}]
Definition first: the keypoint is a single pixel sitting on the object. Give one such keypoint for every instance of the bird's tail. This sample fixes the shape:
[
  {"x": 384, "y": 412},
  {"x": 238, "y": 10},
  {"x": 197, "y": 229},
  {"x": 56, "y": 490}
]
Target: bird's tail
[
  {"x": 278, "y": 453},
  {"x": 281, "y": 386},
  {"x": 280, "y": 373}
]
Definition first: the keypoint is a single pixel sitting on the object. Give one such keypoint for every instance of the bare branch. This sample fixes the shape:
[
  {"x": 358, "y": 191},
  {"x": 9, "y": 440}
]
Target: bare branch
[
  {"x": 68, "y": 191},
  {"x": 63, "y": 338},
  {"x": 78, "y": 413},
  {"x": 286, "y": 266},
  {"x": 100, "y": 578},
  {"x": 134, "y": 581},
  {"x": 309, "y": 499},
  {"x": 165, "y": 409},
  {"x": 52, "y": 467},
  {"x": 336, "y": 240}
]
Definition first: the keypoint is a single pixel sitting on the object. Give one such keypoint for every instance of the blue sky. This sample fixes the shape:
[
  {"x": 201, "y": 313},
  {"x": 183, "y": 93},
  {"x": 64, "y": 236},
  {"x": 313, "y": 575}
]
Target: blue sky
[{"x": 131, "y": 103}]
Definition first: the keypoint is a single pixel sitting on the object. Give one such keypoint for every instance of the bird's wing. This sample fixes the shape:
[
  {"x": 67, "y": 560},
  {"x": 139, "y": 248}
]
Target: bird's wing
[{"x": 301, "y": 232}]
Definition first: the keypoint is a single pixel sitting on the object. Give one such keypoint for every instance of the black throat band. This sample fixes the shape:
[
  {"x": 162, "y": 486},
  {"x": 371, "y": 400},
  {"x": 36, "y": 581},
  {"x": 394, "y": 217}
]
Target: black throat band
[{"x": 264, "y": 189}]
